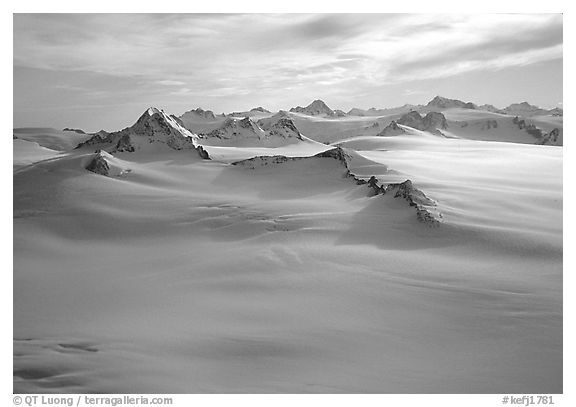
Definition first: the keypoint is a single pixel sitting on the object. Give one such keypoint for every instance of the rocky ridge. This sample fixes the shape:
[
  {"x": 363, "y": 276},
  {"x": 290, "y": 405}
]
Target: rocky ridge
[
  {"x": 433, "y": 121},
  {"x": 425, "y": 207}
]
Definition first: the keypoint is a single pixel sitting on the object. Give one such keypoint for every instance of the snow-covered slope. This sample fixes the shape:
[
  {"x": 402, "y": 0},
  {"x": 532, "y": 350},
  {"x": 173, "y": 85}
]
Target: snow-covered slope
[
  {"x": 28, "y": 152},
  {"x": 524, "y": 109},
  {"x": 488, "y": 126},
  {"x": 256, "y": 113},
  {"x": 50, "y": 138},
  {"x": 383, "y": 112},
  {"x": 201, "y": 121},
  {"x": 350, "y": 162},
  {"x": 303, "y": 268}
]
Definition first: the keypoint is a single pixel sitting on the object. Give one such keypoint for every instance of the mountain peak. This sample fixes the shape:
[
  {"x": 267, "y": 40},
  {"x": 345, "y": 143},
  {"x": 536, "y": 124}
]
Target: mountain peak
[
  {"x": 446, "y": 103},
  {"x": 153, "y": 110},
  {"x": 153, "y": 128},
  {"x": 316, "y": 108},
  {"x": 259, "y": 109}
]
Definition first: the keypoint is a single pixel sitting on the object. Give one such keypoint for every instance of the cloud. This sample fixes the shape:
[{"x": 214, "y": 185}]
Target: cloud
[
  {"x": 171, "y": 83},
  {"x": 237, "y": 46},
  {"x": 269, "y": 59}
]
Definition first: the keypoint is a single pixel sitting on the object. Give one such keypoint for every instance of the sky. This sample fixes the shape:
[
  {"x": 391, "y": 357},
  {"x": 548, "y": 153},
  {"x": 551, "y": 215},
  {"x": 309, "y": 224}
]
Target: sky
[{"x": 101, "y": 71}]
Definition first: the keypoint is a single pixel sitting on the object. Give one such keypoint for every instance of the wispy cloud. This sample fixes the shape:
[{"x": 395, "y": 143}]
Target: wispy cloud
[{"x": 262, "y": 56}]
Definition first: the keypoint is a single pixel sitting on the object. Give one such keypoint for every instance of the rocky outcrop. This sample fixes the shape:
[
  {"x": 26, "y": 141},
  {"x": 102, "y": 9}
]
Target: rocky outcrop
[
  {"x": 124, "y": 144},
  {"x": 489, "y": 124},
  {"x": 264, "y": 160},
  {"x": 285, "y": 128},
  {"x": 411, "y": 119},
  {"x": 198, "y": 113},
  {"x": 432, "y": 122},
  {"x": 425, "y": 207},
  {"x": 391, "y": 130},
  {"x": 98, "y": 164},
  {"x": 426, "y": 211},
  {"x": 236, "y": 128},
  {"x": 553, "y": 138},
  {"x": 79, "y": 131},
  {"x": 528, "y": 127},
  {"x": 202, "y": 152}
]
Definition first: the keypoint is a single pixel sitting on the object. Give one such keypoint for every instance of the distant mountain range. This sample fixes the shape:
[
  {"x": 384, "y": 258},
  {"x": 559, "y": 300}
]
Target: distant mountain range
[
  {"x": 439, "y": 103},
  {"x": 259, "y": 126}
]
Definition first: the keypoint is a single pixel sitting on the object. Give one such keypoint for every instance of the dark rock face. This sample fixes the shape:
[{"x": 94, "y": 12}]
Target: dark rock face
[
  {"x": 337, "y": 153},
  {"x": 550, "y": 139},
  {"x": 286, "y": 123},
  {"x": 79, "y": 131},
  {"x": 124, "y": 144},
  {"x": 262, "y": 161},
  {"x": 490, "y": 124},
  {"x": 528, "y": 127},
  {"x": 246, "y": 123},
  {"x": 285, "y": 128},
  {"x": 392, "y": 130},
  {"x": 411, "y": 119},
  {"x": 408, "y": 192},
  {"x": 432, "y": 122},
  {"x": 99, "y": 165},
  {"x": 203, "y": 153}
]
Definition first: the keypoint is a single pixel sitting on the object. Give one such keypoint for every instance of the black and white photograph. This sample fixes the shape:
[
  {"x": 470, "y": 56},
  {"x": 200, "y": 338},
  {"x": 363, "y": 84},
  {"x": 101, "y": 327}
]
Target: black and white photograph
[{"x": 288, "y": 203}]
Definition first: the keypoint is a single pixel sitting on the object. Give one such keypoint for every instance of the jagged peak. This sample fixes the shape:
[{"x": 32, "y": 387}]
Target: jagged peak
[{"x": 153, "y": 110}]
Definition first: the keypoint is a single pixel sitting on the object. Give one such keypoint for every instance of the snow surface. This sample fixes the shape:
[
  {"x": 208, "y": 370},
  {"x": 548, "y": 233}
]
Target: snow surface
[
  {"x": 51, "y": 138},
  {"x": 189, "y": 275},
  {"x": 29, "y": 152}
]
